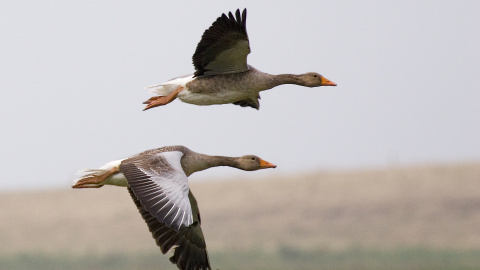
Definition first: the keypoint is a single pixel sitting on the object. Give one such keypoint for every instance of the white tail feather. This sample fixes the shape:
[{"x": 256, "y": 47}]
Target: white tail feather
[
  {"x": 167, "y": 88},
  {"x": 157, "y": 90}
]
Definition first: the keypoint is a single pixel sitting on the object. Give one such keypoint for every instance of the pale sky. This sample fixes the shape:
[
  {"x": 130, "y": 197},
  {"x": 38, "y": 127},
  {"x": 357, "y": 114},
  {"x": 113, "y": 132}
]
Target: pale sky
[{"x": 73, "y": 75}]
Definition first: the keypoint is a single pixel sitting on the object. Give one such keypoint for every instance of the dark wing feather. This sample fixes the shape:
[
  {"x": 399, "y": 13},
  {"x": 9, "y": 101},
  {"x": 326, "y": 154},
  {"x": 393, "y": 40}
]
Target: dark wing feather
[
  {"x": 224, "y": 46},
  {"x": 189, "y": 243},
  {"x": 248, "y": 103}
]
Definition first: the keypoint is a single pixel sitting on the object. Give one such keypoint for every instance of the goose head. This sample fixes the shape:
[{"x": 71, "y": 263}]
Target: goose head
[
  {"x": 313, "y": 79},
  {"x": 253, "y": 163}
]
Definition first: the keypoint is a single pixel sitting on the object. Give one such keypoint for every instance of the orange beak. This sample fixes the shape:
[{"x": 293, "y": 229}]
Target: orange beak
[
  {"x": 327, "y": 82},
  {"x": 265, "y": 164}
]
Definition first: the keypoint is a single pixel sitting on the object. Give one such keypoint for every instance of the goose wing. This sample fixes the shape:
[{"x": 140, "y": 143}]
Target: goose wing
[
  {"x": 189, "y": 243},
  {"x": 160, "y": 185},
  {"x": 224, "y": 46}
]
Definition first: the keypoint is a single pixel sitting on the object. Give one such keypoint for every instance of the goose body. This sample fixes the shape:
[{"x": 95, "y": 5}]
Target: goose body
[
  {"x": 222, "y": 74},
  {"x": 157, "y": 181},
  {"x": 219, "y": 89}
]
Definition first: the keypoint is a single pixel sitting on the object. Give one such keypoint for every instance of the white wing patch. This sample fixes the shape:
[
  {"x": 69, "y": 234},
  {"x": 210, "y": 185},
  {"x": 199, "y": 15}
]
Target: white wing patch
[
  {"x": 173, "y": 158},
  {"x": 161, "y": 186}
]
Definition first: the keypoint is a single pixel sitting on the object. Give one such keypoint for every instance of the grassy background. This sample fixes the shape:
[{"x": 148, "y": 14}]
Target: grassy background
[
  {"x": 285, "y": 258},
  {"x": 424, "y": 217}
]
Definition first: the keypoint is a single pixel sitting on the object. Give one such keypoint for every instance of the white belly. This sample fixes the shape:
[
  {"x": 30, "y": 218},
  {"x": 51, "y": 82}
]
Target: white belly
[
  {"x": 117, "y": 179},
  {"x": 221, "y": 97}
]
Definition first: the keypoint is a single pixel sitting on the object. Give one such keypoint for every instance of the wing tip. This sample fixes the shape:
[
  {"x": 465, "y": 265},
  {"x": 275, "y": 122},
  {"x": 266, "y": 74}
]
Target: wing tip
[{"x": 224, "y": 23}]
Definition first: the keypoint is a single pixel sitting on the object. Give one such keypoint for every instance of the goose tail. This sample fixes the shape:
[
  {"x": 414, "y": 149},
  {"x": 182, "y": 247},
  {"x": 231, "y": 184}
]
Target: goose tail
[{"x": 167, "y": 88}]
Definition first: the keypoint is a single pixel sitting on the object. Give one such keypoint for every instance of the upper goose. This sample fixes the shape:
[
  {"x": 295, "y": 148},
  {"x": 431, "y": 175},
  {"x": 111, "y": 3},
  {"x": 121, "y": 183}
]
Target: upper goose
[
  {"x": 222, "y": 74},
  {"x": 158, "y": 184}
]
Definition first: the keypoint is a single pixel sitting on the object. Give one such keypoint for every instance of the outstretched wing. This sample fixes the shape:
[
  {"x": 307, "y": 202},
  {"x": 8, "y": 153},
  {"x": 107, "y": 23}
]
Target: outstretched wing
[
  {"x": 224, "y": 46},
  {"x": 161, "y": 186},
  {"x": 190, "y": 249}
]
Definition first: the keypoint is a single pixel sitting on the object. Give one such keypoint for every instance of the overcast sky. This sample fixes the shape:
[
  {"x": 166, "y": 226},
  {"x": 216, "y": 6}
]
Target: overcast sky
[{"x": 72, "y": 78}]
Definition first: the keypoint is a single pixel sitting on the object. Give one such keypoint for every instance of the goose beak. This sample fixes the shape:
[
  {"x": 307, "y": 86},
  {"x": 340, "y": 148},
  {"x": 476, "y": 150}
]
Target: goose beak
[
  {"x": 265, "y": 164},
  {"x": 327, "y": 82}
]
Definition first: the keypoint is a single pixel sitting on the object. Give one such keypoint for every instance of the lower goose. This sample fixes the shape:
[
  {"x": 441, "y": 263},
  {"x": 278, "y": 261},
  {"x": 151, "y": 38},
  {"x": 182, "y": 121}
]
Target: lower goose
[{"x": 157, "y": 182}]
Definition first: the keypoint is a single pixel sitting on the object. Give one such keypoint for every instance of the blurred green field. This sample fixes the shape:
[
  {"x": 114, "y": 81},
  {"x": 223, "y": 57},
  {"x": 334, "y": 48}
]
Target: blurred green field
[
  {"x": 423, "y": 217},
  {"x": 285, "y": 258}
]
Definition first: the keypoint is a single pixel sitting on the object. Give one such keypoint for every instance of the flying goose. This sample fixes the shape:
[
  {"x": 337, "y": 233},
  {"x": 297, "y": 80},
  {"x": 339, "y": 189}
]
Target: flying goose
[
  {"x": 222, "y": 74},
  {"x": 157, "y": 182}
]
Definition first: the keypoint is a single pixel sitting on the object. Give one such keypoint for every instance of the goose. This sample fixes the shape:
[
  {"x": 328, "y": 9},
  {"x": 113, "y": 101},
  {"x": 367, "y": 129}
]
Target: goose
[
  {"x": 222, "y": 75},
  {"x": 157, "y": 182}
]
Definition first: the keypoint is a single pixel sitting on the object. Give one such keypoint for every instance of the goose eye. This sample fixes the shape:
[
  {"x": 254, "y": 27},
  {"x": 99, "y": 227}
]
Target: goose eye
[
  {"x": 253, "y": 158},
  {"x": 315, "y": 76}
]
